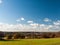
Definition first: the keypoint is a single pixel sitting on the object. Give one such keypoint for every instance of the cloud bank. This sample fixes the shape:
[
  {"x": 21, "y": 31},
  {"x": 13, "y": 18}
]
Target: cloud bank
[{"x": 31, "y": 26}]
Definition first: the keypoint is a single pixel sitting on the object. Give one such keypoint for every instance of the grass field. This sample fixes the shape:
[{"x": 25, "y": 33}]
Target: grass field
[{"x": 52, "y": 41}]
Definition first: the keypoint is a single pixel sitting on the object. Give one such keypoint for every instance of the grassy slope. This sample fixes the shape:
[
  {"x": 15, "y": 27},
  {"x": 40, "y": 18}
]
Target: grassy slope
[{"x": 55, "y": 41}]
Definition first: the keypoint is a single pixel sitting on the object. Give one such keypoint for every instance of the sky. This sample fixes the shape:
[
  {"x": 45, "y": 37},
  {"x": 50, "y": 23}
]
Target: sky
[{"x": 30, "y": 15}]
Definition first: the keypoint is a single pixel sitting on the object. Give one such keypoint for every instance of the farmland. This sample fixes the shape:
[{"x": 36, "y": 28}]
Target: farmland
[{"x": 51, "y": 41}]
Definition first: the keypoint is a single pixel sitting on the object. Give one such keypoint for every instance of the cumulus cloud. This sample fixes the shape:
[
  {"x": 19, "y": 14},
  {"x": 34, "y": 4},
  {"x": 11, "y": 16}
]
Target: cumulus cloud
[
  {"x": 16, "y": 27},
  {"x": 20, "y": 19},
  {"x": 47, "y": 20},
  {"x": 29, "y": 21},
  {"x": 31, "y": 26},
  {"x": 56, "y": 22},
  {"x": 0, "y": 1},
  {"x": 34, "y": 24}
]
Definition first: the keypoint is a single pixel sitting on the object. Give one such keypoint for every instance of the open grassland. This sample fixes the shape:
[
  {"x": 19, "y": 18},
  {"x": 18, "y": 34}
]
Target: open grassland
[{"x": 52, "y": 41}]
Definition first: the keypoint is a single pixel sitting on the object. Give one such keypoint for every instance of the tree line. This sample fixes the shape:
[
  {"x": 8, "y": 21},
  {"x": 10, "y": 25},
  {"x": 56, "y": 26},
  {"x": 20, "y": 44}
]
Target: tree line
[{"x": 29, "y": 35}]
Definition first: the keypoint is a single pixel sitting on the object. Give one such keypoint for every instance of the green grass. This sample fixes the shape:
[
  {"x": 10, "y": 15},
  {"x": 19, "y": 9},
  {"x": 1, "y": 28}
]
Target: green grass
[{"x": 52, "y": 41}]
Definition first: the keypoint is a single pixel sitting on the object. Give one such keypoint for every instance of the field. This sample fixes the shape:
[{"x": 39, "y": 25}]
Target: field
[{"x": 51, "y": 41}]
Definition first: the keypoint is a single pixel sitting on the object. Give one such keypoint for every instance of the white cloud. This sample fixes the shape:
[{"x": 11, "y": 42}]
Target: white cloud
[
  {"x": 0, "y": 1},
  {"x": 29, "y": 21},
  {"x": 57, "y": 22},
  {"x": 47, "y": 20},
  {"x": 32, "y": 27},
  {"x": 22, "y": 18},
  {"x": 42, "y": 25}
]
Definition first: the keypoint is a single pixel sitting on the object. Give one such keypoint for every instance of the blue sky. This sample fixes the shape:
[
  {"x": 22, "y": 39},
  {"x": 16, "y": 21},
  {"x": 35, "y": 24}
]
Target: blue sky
[
  {"x": 23, "y": 11},
  {"x": 36, "y": 10}
]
